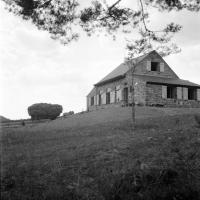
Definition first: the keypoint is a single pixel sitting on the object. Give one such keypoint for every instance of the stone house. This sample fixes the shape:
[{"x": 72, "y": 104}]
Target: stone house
[{"x": 155, "y": 84}]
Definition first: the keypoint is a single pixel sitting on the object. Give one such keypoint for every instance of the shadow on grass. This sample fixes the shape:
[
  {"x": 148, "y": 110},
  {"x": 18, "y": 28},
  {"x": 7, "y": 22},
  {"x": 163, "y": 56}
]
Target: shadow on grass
[{"x": 150, "y": 184}]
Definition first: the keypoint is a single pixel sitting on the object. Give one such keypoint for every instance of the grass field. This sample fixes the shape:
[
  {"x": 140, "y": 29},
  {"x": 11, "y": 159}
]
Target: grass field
[{"x": 96, "y": 155}]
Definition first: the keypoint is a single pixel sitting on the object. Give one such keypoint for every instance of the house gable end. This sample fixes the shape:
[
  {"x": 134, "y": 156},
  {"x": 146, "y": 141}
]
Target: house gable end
[
  {"x": 145, "y": 66},
  {"x": 120, "y": 71}
]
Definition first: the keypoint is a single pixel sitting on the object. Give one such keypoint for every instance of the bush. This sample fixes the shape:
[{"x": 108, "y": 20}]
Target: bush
[
  {"x": 67, "y": 114},
  {"x": 44, "y": 111}
]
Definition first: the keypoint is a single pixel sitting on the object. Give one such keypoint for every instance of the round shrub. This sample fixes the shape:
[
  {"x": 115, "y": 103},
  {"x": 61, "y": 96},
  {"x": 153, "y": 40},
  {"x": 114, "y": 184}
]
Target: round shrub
[
  {"x": 44, "y": 111},
  {"x": 67, "y": 114}
]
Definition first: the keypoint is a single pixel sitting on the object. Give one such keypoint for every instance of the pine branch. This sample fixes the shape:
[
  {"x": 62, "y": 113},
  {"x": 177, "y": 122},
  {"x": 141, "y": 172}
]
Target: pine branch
[{"x": 109, "y": 11}]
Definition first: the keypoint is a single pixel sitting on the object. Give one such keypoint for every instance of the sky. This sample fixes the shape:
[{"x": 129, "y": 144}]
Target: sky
[{"x": 34, "y": 68}]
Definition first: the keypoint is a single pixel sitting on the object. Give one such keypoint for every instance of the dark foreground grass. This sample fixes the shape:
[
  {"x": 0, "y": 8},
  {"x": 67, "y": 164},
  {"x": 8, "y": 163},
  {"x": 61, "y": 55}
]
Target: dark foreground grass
[{"x": 159, "y": 160}]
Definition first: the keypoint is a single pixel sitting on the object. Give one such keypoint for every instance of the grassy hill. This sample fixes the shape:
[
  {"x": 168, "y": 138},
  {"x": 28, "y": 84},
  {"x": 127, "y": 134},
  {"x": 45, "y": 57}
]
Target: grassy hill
[
  {"x": 97, "y": 155},
  {"x": 114, "y": 115},
  {"x": 3, "y": 119}
]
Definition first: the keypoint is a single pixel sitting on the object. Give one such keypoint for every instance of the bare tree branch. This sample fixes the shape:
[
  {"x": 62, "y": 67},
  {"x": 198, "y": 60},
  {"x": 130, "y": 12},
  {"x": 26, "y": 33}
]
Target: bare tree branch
[
  {"x": 111, "y": 7},
  {"x": 143, "y": 17}
]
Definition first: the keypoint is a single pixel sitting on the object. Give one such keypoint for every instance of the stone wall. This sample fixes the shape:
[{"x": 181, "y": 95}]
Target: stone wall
[
  {"x": 154, "y": 97},
  {"x": 139, "y": 91},
  {"x": 154, "y": 94},
  {"x": 102, "y": 90}
]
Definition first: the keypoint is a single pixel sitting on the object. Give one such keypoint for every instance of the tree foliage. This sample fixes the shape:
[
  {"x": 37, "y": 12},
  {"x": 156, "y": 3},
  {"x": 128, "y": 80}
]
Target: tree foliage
[
  {"x": 64, "y": 19},
  {"x": 44, "y": 111}
]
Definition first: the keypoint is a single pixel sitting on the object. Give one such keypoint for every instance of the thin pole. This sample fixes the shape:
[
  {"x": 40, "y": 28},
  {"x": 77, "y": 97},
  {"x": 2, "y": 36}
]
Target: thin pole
[
  {"x": 132, "y": 70},
  {"x": 133, "y": 96}
]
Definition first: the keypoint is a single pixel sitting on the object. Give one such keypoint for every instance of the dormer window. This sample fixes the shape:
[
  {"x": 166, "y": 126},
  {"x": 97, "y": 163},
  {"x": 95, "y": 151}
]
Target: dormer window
[{"x": 155, "y": 66}]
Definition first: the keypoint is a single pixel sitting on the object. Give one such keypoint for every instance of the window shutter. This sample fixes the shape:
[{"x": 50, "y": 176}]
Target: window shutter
[
  {"x": 97, "y": 98},
  {"x": 185, "y": 93},
  {"x": 162, "y": 66},
  {"x": 148, "y": 65},
  {"x": 104, "y": 98},
  {"x": 179, "y": 93},
  {"x": 119, "y": 95},
  {"x": 164, "y": 91},
  {"x": 198, "y": 94},
  {"x": 89, "y": 101},
  {"x": 112, "y": 97}
]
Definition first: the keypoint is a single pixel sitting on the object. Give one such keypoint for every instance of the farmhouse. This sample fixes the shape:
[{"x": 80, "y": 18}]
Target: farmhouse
[{"x": 151, "y": 79}]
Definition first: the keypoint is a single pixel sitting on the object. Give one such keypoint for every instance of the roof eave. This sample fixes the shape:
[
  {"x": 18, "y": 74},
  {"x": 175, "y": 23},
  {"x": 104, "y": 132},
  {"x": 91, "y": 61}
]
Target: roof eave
[
  {"x": 110, "y": 80},
  {"x": 181, "y": 85}
]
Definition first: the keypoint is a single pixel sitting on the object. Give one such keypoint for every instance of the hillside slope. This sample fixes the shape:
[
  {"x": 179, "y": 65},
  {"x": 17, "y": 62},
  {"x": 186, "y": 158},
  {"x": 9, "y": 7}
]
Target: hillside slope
[
  {"x": 3, "y": 119},
  {"x": 92, "y": 156},
  {"x": 116, "y": 114}
]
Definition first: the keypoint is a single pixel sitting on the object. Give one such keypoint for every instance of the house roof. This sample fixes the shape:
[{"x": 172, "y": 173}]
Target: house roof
[
  {"x": 166, "y": 81},
  {"x": 92, "y": 91},
  {"x": 121, "y": 70}
]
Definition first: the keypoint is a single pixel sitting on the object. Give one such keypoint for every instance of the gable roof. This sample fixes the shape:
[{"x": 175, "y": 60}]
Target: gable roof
[
  {"x": 121, "y": 70},
  {"x": 92, "y": 91}
]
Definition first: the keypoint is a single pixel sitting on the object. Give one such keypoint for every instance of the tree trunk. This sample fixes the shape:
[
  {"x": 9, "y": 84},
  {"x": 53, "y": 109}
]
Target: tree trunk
[
  {"x": 133, "y": 107},
  {"x": 131, "y": 66},
  {"x": 133, "y": 97}
]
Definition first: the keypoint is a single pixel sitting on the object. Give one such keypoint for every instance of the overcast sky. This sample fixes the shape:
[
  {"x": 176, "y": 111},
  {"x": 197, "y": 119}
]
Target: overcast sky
[{"x": 34, "y": 68}]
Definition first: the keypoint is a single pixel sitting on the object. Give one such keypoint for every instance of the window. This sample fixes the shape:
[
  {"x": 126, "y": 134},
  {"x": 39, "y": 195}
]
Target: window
[
  {"x": 192, "y": 94},
  {"x": 99, "y": 100},
  {"x": 125, "y": 95},
  {"x": 155, "y": 66},
  {"x": 92, "y": 101},
  {"x": 171, "y": 92},
  {"x": 108, "y": 98},
  {"x": 130, "y": 89}
]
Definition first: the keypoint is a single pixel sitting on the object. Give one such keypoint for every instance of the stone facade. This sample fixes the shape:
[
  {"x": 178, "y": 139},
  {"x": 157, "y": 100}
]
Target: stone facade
[
  {"x": 154, "y": 97},
  {"x": 142, "y": 67},
  {"x": 154, "y": 82},
  {"x": 115, "y": 87}
]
